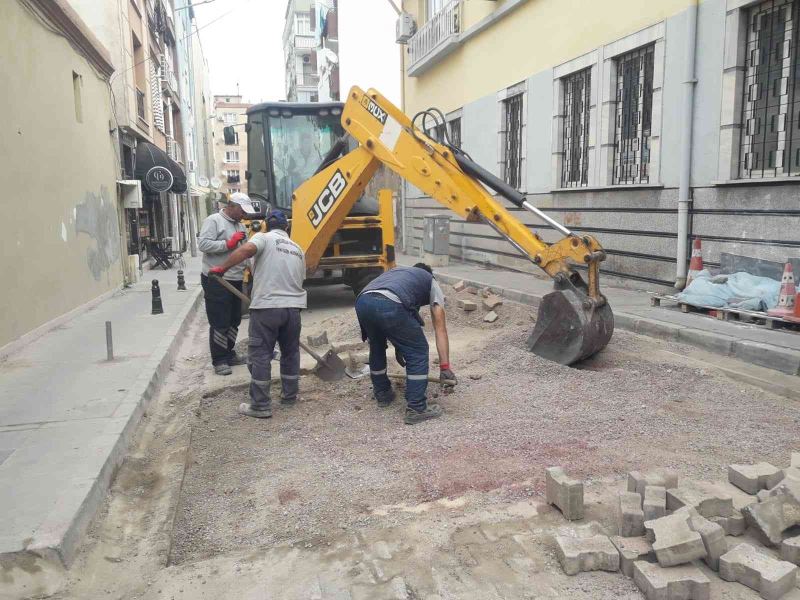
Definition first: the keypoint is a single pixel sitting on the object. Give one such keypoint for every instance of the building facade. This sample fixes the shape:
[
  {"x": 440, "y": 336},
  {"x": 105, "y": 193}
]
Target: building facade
[
  {"x": 230, "y": 153},
  {"x": 645, "y": 124},
  {"x": 311, "y": 51},
  {"x": 62, "y": 247}
]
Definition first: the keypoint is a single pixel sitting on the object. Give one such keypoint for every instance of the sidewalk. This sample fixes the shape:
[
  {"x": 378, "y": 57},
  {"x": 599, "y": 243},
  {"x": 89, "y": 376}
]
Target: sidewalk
[
  {"x": 773, "y": 349},
  {"x": 67, "y": 414}
]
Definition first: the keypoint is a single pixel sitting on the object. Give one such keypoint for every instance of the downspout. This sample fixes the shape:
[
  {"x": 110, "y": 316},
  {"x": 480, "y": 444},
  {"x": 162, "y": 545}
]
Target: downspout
[
  {"x": 403, "y": 200},
  {"x": 684, "y": 189}
]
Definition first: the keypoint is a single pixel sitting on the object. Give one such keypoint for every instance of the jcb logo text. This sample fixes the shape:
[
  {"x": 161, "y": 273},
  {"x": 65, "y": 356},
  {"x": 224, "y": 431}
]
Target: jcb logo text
[{"x": 327, "y": 198}]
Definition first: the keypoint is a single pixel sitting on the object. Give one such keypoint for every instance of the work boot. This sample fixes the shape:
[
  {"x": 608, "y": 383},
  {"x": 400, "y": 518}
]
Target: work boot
[
  {"x": 289, "y": 401},
  {"x": 222, "y": 369},
  {"x": 247, "y": 410},
  {"x": 384, "y": 399},
  {"x": 237, "y": 359},
  {"x": 413, "y": 416}
]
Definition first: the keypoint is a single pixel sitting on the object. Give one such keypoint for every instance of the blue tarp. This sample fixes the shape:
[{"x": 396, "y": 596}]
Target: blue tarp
[{"x": 737, "y": 290}]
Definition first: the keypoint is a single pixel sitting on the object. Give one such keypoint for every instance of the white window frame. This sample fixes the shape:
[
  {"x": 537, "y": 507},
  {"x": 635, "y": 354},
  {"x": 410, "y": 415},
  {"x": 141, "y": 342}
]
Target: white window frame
[
  {"x": 502, "y": 96},
  {"x": 232, "y": 156},
  {"x": 229, "y": 118},
  {"x": 655, "y": 34}
]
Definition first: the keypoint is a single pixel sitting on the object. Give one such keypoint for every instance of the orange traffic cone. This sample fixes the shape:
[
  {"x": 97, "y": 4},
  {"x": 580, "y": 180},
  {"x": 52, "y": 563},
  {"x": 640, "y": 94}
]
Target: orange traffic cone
[
  {"x": 786, "y": 300},
  {"x": 796, "y": 316},
  {"x": 696, "y": 262}
]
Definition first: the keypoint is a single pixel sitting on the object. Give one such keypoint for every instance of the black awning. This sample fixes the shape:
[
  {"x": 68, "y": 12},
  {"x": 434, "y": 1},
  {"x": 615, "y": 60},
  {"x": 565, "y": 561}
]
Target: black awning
[{"x": 149, "y": 160}]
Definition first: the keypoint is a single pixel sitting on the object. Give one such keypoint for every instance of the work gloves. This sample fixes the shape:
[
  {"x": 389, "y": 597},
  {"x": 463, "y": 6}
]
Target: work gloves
[
  {"x": 446, "y": 375},
  {"x": 219, "y": 271},
  {"x": 235, "y": 239}
]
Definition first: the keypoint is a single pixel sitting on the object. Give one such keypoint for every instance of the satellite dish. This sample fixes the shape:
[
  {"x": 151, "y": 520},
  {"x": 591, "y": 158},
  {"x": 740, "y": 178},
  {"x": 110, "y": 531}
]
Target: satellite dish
[
  {"x": 216, "y": 183},
  {"x": 203, "y": 181},
  {"x": 328, "y": 55}
]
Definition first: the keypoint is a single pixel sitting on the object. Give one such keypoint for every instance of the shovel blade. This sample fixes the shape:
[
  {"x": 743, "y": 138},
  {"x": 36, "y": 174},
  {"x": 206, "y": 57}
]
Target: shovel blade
[
  {"x": 566, "y": 331},
  {"x": 331, "y": 368}
]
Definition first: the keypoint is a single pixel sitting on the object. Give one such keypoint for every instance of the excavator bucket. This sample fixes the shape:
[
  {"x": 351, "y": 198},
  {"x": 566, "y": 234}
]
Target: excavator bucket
[{"x": 570, "y": 326}]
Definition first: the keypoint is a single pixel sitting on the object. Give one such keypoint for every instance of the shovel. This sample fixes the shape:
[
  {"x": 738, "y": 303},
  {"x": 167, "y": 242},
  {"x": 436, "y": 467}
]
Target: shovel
[{"x": 329, "y": 367}]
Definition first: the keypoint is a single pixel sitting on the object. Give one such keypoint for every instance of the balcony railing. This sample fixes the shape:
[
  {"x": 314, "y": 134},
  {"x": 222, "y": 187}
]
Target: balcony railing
[
  {"x": 174, "y": 149},
  {"x": 168, "y": 76},
  {"x": 140, "y": 104},
  {"x": 436, "y": 38}
]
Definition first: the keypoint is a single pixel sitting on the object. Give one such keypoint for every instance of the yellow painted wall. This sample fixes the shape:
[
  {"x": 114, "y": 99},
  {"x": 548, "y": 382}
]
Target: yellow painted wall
[
  {"x": 60, "y": 243},
  {"x": 539, "y": 35}
]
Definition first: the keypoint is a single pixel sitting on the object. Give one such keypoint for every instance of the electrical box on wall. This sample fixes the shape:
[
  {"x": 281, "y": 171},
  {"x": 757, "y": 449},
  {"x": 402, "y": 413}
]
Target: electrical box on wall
[
  {"x": 405, "y": 28},
  {"x": 131, "y": 191}
]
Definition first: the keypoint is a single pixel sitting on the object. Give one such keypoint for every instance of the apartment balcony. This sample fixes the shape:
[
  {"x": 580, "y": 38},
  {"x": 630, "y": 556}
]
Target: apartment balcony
[
  {"x": 169, "y": 83},
  {"x": 307, "y": 80},
  {"x": 435, "y": 39},
  {"x": 304, "y": 41},
  {"x": 174, "y": 149}
]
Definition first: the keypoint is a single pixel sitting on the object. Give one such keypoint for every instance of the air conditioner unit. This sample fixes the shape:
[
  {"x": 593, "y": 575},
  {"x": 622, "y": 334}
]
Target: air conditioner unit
[
  {"x": 306, "y": 59},
  {"x": 405, "y": 28}
]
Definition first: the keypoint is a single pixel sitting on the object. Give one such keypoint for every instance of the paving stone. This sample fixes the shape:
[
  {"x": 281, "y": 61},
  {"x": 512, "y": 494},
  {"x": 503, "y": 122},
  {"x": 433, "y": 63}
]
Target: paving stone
[
  {"x": 654, "y": 505},
  {"x": 751, "y": 478},
  {"x": 790, "y": 550},
  {"x": 459, "y": 286},
  {"x": 708, "y": 504},
  {"x": 638, "y": 481},
  {"x": 630, "y": 515},
  {"x": 565, "y": 493},
  {"x": 733, "y": 523},
  {"x": 674, "y": 541},
  {"x": 595, "y": 553},
  {"x": 685, "y": 582},
  {"x": 776, "y": 513},
  {"x": 467, "y": 305},
  {"x": 486, "y": 292},
  {"x": 472, "y": 290},
  {"x": 491, "y": 302},
  {"x": 771, "y": 577},
  {"x": 712, "y": 534},
  {"x": 318, "y": 340},
  {"x": 490, "y": 317},
  {"x": 632, "y": 549}
]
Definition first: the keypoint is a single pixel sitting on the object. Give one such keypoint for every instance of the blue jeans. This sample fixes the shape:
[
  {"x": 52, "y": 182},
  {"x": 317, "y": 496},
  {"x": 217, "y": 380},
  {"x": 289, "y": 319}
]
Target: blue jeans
[{"x": 382, "y": 319}]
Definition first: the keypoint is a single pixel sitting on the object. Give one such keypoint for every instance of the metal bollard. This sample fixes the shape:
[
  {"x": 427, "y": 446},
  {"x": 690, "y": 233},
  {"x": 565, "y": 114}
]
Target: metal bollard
[
  {"x": 181, "y": 281},
  {"x": 158, "y": 307},
  {"x": 109, "y": 342}
]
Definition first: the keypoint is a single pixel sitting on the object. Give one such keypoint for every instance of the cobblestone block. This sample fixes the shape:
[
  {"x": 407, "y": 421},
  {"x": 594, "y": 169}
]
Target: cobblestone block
[
  {"x": 632, "y": 549},
  {"x": 733, "y": 523},
  {"x": 486, "y": 292},
  {"x": 595, "y": 553},
  {"x": 467, "y": 305},
  {"x": 565, "y": 493},
  {"x": 491, "y": 302},
  {"x": 776, "y": 513},
  {"x": 490, "y": 317},
  {"x": 459, "y": 286},
  {"x": 770, "y": 577},
  {"x": 712, "y": 534},
  {"x": 318, "y": 340},
  {"x": 654, "y": 505},
  {"x": 790, "y": 550},
  {"x": 751, "y": 478},
  {"x": 674, "y": 541},
  {"x": 630, "y": 515},
  {"x": 718, "y": 504},
  {"x": 638, "y": 481},
  {"x": 472, "y": 290},
  {"x": 685, "y": 582}
]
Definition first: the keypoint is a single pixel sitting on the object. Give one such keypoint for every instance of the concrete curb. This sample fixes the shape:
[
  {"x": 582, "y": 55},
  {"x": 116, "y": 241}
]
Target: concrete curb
[
  {"x": 57, "y": 541},
  {"x": 773, "y": 357}
]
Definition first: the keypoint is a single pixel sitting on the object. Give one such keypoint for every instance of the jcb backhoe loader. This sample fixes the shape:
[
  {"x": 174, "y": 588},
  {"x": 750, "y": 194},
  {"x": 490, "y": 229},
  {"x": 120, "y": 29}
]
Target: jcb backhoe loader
[{"x": 574, "y": 321}]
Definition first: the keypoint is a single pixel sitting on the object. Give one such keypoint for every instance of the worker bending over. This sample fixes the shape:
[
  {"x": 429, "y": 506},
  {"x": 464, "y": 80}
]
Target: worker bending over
[
  {"x": 388, "y": 309},
  {"x": 277, "y": 298},
  {"x": 219, "y": 236}
]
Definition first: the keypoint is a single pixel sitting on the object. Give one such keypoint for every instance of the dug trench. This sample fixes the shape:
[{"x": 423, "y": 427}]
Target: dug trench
[{"x": 336, "y": 497}]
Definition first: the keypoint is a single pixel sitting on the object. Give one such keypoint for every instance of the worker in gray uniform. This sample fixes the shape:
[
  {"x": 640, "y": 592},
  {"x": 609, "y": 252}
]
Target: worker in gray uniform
[
  {"x": 219, "y": 236},
  {"x": 277, "y": 299}
]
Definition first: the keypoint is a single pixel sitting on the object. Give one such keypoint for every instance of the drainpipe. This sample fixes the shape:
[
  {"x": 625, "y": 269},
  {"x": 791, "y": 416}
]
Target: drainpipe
[{"x": 684, "y": 189}]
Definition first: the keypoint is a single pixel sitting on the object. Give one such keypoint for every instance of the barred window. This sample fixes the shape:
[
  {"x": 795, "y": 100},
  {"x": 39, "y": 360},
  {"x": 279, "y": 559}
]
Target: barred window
[
  {"x": 634, "y": 112},
  {"x": 577, "y": 105},
  {"x": 770, "y": 144},
  {"x": 455, "y": 132},
  {"x": 512, "y": 146}
]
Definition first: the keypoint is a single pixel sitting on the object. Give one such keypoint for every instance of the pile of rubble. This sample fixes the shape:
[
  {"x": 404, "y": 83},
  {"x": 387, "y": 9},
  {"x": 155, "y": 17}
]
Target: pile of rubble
[
  {"x": 664, "y": 526},
  {"x": 490, "y": 301}
]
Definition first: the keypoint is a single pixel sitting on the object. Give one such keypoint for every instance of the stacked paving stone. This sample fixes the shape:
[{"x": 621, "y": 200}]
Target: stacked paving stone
[{"x": 665, "y": 528}]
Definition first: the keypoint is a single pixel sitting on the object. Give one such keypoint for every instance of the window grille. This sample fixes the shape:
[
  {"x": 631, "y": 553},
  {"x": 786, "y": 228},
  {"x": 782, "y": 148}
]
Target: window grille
[
  {"x": 770, "y": 145},
  {"x": 155, "y": 97},
  {"x": 577, "y": 104},
  {"x": 634, "y": 113},
  {"x": 455, "y": 132},
  {"x": 512, "y": 147}
]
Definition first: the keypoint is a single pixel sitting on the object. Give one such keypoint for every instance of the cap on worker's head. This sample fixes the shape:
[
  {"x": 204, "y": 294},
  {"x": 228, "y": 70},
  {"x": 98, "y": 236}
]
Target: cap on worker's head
[
  {"x": 276, "y": 219},
  {"x": 243, "y": 200}
]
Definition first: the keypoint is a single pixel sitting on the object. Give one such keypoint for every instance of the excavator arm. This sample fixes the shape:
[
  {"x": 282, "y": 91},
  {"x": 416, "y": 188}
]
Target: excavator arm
[{"x": 574, "y": 321}]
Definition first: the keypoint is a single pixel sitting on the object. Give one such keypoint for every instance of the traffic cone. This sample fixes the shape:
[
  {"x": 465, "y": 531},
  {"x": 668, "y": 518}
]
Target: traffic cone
[
  {"x": 796, "y": 316},
  {"x": 786, "y": 300},
  {"x": 696, "y": 262}
]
